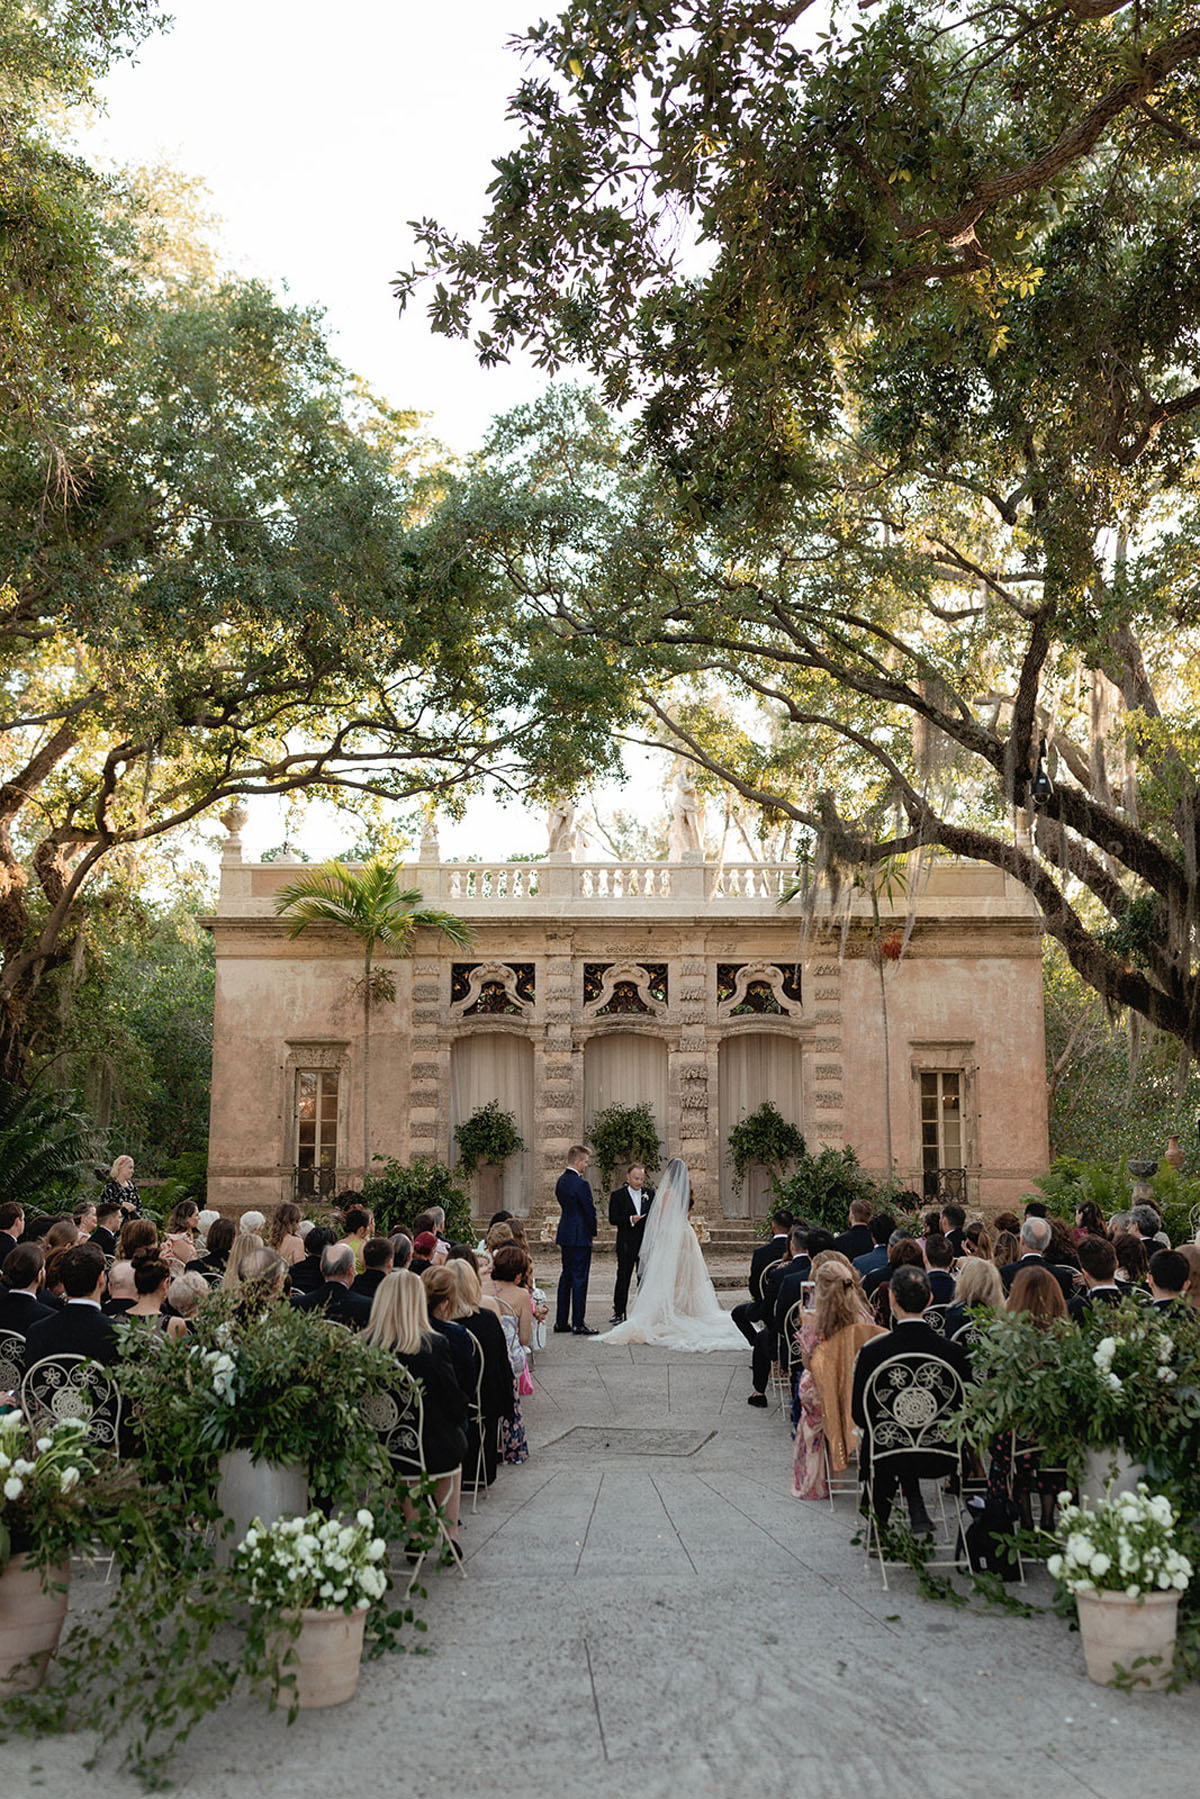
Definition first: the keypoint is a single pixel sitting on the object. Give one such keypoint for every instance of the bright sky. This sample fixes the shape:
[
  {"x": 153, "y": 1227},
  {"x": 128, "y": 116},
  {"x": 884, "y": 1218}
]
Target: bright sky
[{"x": 321, "y": 132}]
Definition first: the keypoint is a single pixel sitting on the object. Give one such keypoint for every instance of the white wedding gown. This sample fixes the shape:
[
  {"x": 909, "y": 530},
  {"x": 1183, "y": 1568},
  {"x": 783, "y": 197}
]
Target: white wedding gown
[{"x": 676, "y": 1306}]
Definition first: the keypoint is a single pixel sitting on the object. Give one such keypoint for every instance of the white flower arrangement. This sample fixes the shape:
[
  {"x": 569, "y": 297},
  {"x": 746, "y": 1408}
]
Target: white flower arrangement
[
  {"x": 36, "y": 1475},
  {"x": 316, "y": 1561},
  {"x": 1123, "y": 1545}
]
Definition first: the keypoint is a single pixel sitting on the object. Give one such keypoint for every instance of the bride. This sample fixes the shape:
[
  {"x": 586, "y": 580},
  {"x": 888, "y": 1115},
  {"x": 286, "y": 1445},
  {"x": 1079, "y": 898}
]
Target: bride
[{"x": 676, "y": 1305}]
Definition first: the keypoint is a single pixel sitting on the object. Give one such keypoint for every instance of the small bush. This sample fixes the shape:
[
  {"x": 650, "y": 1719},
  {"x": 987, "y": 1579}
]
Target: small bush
[{"x": 396, "y": 1194}]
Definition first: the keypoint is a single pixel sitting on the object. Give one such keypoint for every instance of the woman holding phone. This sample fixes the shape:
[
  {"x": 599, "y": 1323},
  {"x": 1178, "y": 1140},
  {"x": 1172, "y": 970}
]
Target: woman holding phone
[{"x": 830, "y": 1336}]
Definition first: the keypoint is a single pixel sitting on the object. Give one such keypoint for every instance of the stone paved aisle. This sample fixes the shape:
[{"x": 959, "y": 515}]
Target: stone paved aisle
[{"x": 659, "y": 1624}]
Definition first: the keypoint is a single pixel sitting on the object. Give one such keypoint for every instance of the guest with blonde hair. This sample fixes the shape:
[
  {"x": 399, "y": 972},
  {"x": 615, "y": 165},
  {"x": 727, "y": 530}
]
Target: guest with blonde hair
[
  {"x": 244, "y": 1245},
  {"x": 400, "y": 1322},
  {"x": 978, "y": 1284},
  {"x": 829, "y": 1339},
  {"x": 186, "y": 1294}
]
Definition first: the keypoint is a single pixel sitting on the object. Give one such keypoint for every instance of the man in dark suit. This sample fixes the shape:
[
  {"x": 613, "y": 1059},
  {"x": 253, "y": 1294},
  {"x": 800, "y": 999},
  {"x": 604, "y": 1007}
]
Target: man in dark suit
[
  {"x": 953, "y": 1223},
  {"x": 12, "y": 1226},
  {"x": 305, "y": 1276},
  {"x": 938, "y": 1256},
  {"x": 576, "y": 1232},
  {"x": 81, "y": 1328},
  {"x": 1035, "y": 1242},
  {"x": 1098, "y": 1265},
  {"x": 1169, "y": 1276},
  {"x": 108, "y": 1223},
  {"x": 627, "y": 1210},
  {"x": 749, "y": 1314},
  {"x": 335, "y": 1297},
  {"x": 857, "y": 1241},
  {"x": 24, "y": 1276},
  {"x": 378, "y": 1258},
  {"x": 881, "y": 1228},
  {"x": 909, "y": 1296},
  {"x": 793, "y": 1276}
]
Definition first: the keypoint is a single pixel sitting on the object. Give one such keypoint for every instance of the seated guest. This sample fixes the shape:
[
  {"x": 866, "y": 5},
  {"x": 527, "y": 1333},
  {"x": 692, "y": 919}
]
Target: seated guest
[
  {"x": 204, "y": 1224},
  {"x": 425, "y": 1251},
  {"x": 357, "y": 1226},
  {"x": 796, "y": 1273},
  {"x": 334, "y": 1297},
  {"x": 1015, "y": 1472},
  {"x": 878, "y": 1275},
  {"x": 1089, "y": 1221},
  {"x": 264, "y": 1276},
  {"x": 136, "y": 1233},
  {"x": 1169, "y": 1276},
  {"x": 62, "y": 1233},
  {"x": 306, "y": 1275},
  {"x": 179, "y": 1238},
  {"x": 1036, "y": 1240},
  {"x": 1191, "y": 1255},
  {"x": 1133, "y": 1264},
  {"x": 907, "y": 1253},
  {"x": 24, "y": 1275},
  {"x": 976, "y": 1242},
  {"x": 399, "y": 1321},
  {"x": 510, "y": 1283},
  {"x": 908, "y": 1297},
  {"x": 830, "y": 1337},
  {"x": 244, "y": 1244},
  {"x": 185, "y": 1295},
  {"x": 378, "y": 1260},
  {"x": 12, "y": 1226},
  {"x": 152, "y": 1279},
  {"x": 122, "y": 1291},
  {"x": 253, "y": 1223},
  {"x": 939, "y": 1257},
  {"x": 1144, "y": 1222},
  {"x": 1006, "y": 1248},
  {"x": 857, "y": 1240},
  {"x": 952, "y": 1225},
  {"x": 977, "y": 1284},
  {"x": 52, "y": 1291},
  {"x": 881, "y": 1228},
  {"x": 81, "y": 1327},
  {"x": 1062, "y": 1251},
  {"x": 441, "y": 1300},
  {"x": 219, "y": 1242},
  {"x": 931, "y": 1226},
  {"x": 1035, "y": 1290},
  {"x": 83, "y": 1216},
  {"x": 1097, "y": 1265},
  {"x": 1006, "y": 1221},
  {"x": 108, "y": 1223},
  {"x": 496, "y": 1396},
  {"x": 402, "y": 1249},
  {"x": 283, "y": 1233}
]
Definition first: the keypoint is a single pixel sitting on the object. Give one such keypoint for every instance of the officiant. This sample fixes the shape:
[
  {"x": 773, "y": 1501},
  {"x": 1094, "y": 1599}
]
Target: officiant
[{"x": 627, "y": 1209}]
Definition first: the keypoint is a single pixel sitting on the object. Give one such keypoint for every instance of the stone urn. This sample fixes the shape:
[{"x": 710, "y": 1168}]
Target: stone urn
[
  {"x": 31, "y": 1621},
  {"x": 327, "y": 1656},
  {"x": 1143, "y": 1172},
  {"x": 247, "y": 1489},
  {"x": 1107, "y": 1472},
  {"x": 1118, "y": 1630},
  {"x": 1173, "y": 1154}
]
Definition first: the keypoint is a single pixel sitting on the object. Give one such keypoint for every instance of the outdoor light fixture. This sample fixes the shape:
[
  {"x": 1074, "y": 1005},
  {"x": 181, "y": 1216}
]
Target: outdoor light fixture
[{"x": 1042, "y": 787}]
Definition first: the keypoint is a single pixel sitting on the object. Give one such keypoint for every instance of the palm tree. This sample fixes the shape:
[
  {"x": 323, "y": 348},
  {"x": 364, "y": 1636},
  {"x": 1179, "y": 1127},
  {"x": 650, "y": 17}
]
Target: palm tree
[{"x": 370, "y": 902}]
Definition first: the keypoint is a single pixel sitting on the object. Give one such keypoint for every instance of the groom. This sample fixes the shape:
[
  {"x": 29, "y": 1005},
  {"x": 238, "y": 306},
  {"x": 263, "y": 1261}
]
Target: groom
[
  {"x": 576, "y": 1229},
  {"x": 627, "y": 1209}
]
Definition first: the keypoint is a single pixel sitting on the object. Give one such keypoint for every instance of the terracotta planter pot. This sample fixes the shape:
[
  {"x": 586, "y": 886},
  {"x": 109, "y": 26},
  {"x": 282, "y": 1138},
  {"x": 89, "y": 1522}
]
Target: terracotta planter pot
[
  {"x": 1103, "y": 1465},
  {"x": 328, "y": 1655},
  {"x": 249, "y": 1490},
  {"x": 31, "y": 1622},
  {"x": 1117, "y": 1631},
  {"x": 1173, "y": 1153}
]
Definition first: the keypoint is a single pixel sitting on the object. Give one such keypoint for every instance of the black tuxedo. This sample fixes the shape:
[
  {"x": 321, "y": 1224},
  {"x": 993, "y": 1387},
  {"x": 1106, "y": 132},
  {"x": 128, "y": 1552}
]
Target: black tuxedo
[
  {"x": 306, "y": 1276},
  {"x": 793, "y": 1277},
  {"x": 941, "y": 1286},
  {"x": 20, "y": 1310},
  {"x": 79, "y": 1329},
  {"x": 337, "y": 1302},
  {"x": 908, "y": 1337},
  {"x": 104, "y": 1239},
  {"x": 746, "y": 1316},
  {"x": 369, "y": 1282},
  {"x": 1063, "y": 1275},
  {"x": 1083, "y": 1303},
  {"x": 7, "y": 1242},
  {"x": 630, "y": 1231},
  {"x": 765, "y": 1348}
]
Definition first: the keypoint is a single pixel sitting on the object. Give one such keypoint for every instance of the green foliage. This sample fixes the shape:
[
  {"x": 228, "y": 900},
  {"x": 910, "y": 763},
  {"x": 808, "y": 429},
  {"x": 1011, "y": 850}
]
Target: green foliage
[
  {"x": 285, "y": 1384},
  {"x": 822, "y": 1186},
  {"x": 1071, "y": 1181},
  {"x": 44, "y": 1146},
  {"x": 625, "y": 1134},
  {"x": 398, "y": 1193},
  {"x": 488, "y": 1135},
  {"x": 764, "y": 1136}
]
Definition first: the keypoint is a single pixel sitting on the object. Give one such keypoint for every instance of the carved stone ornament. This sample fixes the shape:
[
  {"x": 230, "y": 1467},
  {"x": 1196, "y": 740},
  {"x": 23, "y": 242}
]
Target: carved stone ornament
[
  {"x": 757, "y": 975},
  {"x": 492, "y": 975},
  {"x": 625, "y": 975}
]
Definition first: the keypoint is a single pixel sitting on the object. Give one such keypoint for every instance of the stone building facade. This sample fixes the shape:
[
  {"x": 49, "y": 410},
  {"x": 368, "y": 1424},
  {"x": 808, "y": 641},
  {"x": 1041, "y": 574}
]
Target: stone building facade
[{"x": 685, "y": 984}]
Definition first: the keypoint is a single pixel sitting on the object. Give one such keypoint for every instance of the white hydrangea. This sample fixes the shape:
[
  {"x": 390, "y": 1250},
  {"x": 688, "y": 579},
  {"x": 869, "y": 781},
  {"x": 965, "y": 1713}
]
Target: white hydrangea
[{"x": 13, "y": 1488}]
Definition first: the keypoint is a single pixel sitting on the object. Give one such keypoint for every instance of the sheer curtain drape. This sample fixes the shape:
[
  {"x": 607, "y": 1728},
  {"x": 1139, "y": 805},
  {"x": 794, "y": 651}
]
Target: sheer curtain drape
[
  {"x": 755, "y": 1066},
  {"x": 497, "y": 1065}
]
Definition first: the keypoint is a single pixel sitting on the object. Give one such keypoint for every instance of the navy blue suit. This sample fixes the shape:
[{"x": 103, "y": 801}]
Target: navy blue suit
[{"x": 576, "y": 1229}]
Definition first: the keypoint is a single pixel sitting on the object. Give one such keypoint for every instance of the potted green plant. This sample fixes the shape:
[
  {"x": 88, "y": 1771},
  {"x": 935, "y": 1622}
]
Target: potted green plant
[
  {"x": 254, "y": 1391},
  {"x": 309, "y": 1583},
  {"x": 57, "y": 1493},
  {"x": 1120, "y": 1562},
  {"x": 764, "y": 1137},
  {"x": 485, "y": 1141},
  {"x": 625, "y": 1134}
]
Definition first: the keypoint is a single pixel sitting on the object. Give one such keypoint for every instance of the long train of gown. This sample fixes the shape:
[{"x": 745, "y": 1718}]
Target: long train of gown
[{"x": 683, "y": 1313}]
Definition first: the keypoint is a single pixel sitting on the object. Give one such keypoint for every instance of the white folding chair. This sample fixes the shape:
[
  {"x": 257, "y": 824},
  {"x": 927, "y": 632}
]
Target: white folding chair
[{"x": 909, "y": 1401}]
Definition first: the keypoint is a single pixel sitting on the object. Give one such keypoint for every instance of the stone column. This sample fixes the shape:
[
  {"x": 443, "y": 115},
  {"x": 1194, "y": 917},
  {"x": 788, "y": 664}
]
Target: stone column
[
  {"x": 688, "y": 1080},
  {"x": 558, "y": 1074},
  {"x": 824, "y": 1092},
  {"x": 429, "y": 1073}
]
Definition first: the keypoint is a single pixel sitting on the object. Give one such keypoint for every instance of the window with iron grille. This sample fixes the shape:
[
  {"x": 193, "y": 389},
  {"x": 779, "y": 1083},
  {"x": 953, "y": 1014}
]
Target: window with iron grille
[{"x": 316, "y": 1129}]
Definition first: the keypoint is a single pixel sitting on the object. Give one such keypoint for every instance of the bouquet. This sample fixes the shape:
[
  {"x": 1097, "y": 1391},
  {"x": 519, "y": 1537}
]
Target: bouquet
[
  {"x": 1124, "y": 1545},
  {"x": 314, "y": 1562},
  {"x": 47, "y": 1489}
]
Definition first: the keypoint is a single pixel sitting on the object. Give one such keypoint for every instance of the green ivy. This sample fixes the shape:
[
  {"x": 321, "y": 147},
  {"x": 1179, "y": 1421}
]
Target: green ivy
[
  {"x": 625, "y": 1134},
  {"x": 488, "y": 1135},
  {"x": 398, "y": 1193},
  {"x": 765, "y": 1137}
]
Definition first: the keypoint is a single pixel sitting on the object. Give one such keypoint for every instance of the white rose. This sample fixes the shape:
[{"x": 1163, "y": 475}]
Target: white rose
[
  {"x": 1114, "y": 1381},
  {"x": 362, "y": 1605},
  {"x": 1132, "y": 1590},
  {"x": 366, "y": 1520},
  {"x": 44, "y": 1443},
  {"x": 1054, "y": 1566},
  {"x": 377, "y": 1550},
  {"x": 21, "y": 1466},
  {"x": 68, "y": 1479},
  {"x": 1099, "y": 1564},
  {"x": 13, "y": 1488},
  {"x": 1179, "y": 1580}
]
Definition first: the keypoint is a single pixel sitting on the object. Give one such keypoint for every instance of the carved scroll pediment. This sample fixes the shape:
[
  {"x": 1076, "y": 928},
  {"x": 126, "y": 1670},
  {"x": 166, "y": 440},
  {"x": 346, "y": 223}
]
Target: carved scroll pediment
[
  {"x": 763, "y": 988},
  {"x": 623, "y": 989},
  {"x": 493, "y": 988}
]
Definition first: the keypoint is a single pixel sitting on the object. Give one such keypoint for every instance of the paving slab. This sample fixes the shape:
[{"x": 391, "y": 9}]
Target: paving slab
[{"x": 638, "y": 1623}]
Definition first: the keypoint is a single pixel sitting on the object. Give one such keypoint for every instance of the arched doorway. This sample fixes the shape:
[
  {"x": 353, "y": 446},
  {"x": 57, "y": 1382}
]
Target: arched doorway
[
  {"x": 752, "y": 1067},
  {"x": 628, "y": 1068},
  {"x": 495, "y": 1065}
]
